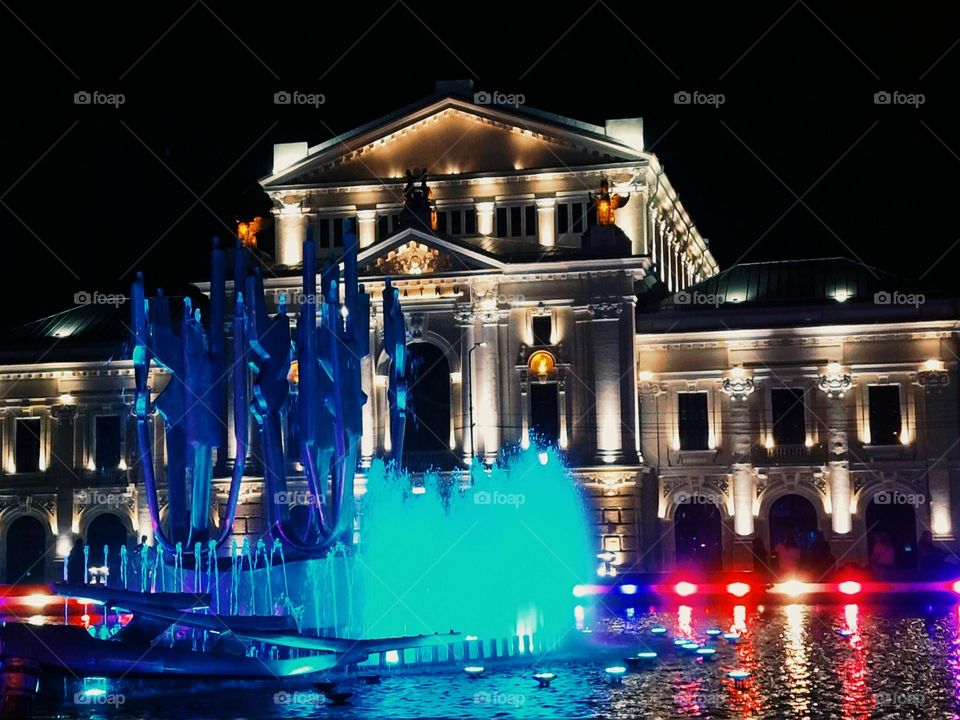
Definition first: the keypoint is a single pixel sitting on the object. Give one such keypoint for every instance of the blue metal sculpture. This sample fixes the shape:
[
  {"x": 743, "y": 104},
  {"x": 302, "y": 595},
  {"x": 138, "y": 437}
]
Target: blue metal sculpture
[
  {"x": 329, "y": 356},
  {"x": 191, "y": 405}
]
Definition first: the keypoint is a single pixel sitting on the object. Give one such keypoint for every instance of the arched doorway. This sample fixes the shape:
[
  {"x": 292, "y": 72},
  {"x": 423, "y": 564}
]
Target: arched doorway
[
  {"x": 793, "y": 526},
  {"x": 26, "y": 542},
  {"x": 426, "y": 438},
  {"x": 698, "y": 536},
  {"x": 898, "y": 522},
  {"x": 107, "y": 529}
]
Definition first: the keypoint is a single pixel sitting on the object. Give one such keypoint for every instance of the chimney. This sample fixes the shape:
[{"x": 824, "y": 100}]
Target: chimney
[
  {"x": 628, "y": 131},
  {"x": 286, "y": 154}
]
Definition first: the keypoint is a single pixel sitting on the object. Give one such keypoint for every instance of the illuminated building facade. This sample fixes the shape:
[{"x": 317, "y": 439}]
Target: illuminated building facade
[{"x": 610, "y": 332}]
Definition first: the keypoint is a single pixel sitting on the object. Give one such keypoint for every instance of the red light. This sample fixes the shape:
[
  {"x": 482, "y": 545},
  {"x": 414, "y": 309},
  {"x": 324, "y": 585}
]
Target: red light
[
  {"x": 956, "y": 587},
  {"x": 684, "y": 588},
  {"x": 849, "y": 587},
  {"x": 738, "y": 589}
]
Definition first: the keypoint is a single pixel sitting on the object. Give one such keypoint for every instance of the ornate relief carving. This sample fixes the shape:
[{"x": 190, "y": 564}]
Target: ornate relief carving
[{"x": 606, "y": 309}]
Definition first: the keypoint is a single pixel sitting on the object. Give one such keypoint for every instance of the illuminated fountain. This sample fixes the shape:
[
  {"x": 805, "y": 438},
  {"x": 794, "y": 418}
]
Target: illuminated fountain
[{"x": 494, "y": 558}]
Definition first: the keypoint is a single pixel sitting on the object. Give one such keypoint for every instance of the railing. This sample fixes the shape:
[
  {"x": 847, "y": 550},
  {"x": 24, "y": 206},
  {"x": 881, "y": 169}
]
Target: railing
[
  {"x": 788, "y": 455},
  {"x": 104, "y": 477}
]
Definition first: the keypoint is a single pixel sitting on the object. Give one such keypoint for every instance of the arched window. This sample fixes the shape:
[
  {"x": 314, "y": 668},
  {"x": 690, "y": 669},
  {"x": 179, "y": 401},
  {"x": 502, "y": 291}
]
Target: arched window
[{"x": 26, "y": 543}]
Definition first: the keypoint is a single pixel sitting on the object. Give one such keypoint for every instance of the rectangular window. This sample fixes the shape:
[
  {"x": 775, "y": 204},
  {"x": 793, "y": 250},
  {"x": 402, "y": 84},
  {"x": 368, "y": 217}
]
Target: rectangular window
[
  {"x": 470, "y": 221},
  {"x": 576, "y": 213},
  {"x": 530, "y": 220},
  {"x": 324, "y": 232},
  {"x": 383, "y": 226},
  {"x": 456, "y": 222},
  {"x": 28, "y": 444},
  {"x": 789, "y": 421},
  {"x": 337, "y": 232},
  {"x": 544, "y": 412},
  {"x": 442, "y": 221},
  {"x": 563, "y": 220},
  {"x": 885, "y": 421},
  {"x": 502, "y": 229},
  {"x": 542, "y": 328},
  {"x": 693, "y": 421},
  {"x": 394, "y": 223},
  {"x": 516, "y": 218},
  {"x": 107, "y": 442}
]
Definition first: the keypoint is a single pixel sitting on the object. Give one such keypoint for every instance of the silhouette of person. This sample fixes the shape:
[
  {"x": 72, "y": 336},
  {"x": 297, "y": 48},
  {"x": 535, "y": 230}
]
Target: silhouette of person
[
  {"x": 75, "y": 572},
  {"x": 882, "y": 555}
]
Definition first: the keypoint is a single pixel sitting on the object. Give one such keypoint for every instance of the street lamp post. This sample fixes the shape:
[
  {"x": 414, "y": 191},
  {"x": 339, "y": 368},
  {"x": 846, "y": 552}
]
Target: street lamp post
[{"x": 482, "y": 343}]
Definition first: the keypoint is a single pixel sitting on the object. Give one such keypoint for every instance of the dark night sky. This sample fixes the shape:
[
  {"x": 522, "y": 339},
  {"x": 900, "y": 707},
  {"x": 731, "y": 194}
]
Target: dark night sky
[{"x": 99, "y": 191}]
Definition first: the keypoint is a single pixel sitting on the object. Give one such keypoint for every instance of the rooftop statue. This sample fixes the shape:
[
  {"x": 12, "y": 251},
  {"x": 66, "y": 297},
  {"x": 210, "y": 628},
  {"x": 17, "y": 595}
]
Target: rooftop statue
[
  {"x": 607, "y": 203},
  {"x": 416, "y": 200}
]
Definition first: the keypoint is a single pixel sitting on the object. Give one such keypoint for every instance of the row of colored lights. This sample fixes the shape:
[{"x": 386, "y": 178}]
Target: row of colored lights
[{"x": 792, "y": 588}]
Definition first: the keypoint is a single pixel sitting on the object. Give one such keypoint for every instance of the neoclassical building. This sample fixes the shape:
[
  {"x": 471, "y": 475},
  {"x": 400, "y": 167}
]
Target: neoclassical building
[{"x": 700, "y": 408}]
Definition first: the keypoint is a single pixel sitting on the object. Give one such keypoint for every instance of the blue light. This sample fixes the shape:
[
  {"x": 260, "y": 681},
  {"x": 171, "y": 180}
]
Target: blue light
[
  {"x": 646, "y": 655},
  {"x": 628, "y": 589},
  {"x": 474, "y": 671},
  {"x": 658, "y": 630},
  {"x": 731, "y": 637},
  {"x": 714, "y": 632}
]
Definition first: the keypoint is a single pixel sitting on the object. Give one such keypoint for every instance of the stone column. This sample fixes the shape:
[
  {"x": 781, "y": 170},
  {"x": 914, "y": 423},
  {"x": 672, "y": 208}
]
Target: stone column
[
  {"x": 290, "y": 233},
  {"x": 485, "y": 210},
  {"x": 739, "y": 389},
  {"x": 605, "y": 334},
  {"x": 564, "y": 439},
  {"x": 62, "y": 462},
  {"x": 941, "y": 422},
  {"x": 487, "y": 378},
  {"x": 466, "y": 321},
  {"x": 366, "y": 227},
  {"x": 835, "y": 383},
  {"x": 547, "y": 221}
]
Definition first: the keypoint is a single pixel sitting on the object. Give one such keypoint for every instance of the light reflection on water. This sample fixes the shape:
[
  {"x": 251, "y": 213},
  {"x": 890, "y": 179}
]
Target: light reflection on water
[{"x": 886, "y": 665}]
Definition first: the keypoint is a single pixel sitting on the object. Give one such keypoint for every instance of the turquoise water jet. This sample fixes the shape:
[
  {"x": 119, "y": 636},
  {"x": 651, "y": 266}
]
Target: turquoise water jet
[{"x": 494, "y": 557}]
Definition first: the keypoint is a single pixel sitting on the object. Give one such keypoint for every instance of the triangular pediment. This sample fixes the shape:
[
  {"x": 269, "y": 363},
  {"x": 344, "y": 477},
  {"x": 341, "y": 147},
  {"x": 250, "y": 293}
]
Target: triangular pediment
[
  {"x": 453, "y": 136},
  {"x": 416, "y": 252}
]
